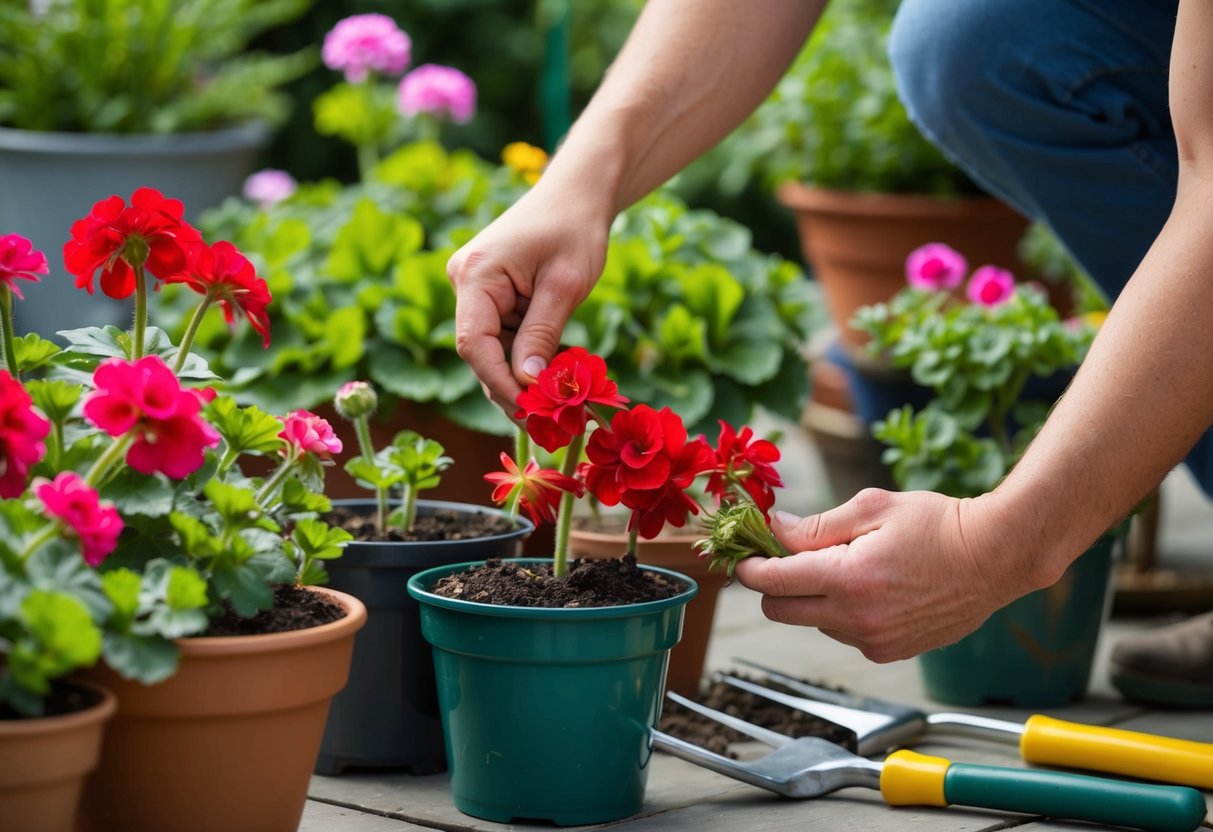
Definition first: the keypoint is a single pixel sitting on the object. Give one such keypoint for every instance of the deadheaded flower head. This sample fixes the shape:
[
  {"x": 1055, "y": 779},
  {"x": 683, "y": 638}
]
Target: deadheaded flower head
[{"x": 736, "y": 532}]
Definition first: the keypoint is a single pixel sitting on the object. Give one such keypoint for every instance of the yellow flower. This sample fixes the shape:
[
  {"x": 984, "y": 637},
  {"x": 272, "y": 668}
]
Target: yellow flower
[
  {"x": 526, "y": 159},
  {"x": 1095, "y": 319}
]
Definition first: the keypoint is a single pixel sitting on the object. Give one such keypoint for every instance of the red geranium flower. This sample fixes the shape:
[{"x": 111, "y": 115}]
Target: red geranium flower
[
  {"x": 22, "y": 429},
  {"x": 19, "y": 261},
  {"x": 223, "y": 273},
  {"x": 555, "y": 405},
  {"x": 117, "y": 238},
  {"x": 748, "y": 462},
  {"x": 538, "y": 490}
]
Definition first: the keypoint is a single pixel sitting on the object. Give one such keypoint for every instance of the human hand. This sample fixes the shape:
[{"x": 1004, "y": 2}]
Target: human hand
[
  {"x": 892, "y": 574},
  {"x": 518, "y": 281}
]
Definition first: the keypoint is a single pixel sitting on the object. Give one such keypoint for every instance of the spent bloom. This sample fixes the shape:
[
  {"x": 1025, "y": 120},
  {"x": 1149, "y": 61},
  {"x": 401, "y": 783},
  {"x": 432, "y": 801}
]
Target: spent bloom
[
  {"x": 935, "y": 266},
  {"x": 440, "y": 91},
  {"x": 118, "y": 238},
  {"x": 305, "y": 432},
  {"x": 145, "y": 396},
  {"x": 990, "y": 286},
  {"x": 269, "y": 187},
  {"x": 555, "y": 406},
  {"x": 19, "y": 260},
  {"x": 222, "y": 273},
  {"x": 22, "y": 431},
  {"x": 538, "y": 490},
  {"x": 93, "y": 520},
  {"x": 365, "y": 43}
]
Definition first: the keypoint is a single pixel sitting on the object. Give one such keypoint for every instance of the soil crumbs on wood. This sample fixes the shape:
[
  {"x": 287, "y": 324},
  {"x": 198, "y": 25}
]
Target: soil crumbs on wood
[
  {"x": 64, "y": 698},
  {"x": 685, "y": 724},
  {"x": 589, "y": 583},
  {"x": 294, "y": 608},
  {"x": 443, "y": 524}
]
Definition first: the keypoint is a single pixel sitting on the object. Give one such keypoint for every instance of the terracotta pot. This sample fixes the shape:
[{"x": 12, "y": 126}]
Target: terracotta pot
[
  {"x": 669, "y": 551},
  {"x": 856, "y": 243},
  {"x": 228, "y": 742},
  {"x": 43, "y": 763}
]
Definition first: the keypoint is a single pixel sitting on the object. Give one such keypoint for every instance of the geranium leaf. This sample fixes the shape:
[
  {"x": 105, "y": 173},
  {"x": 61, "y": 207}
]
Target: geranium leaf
[
  {"x": 32, "y": 351},
  {"x": 748, "y": 360},
  {"x": 145, "y": 658},
  {"x": 397, "y": 371},
  {"x": 103, "y": 342},
  {"x": 135, "y": 493},
  {"x": 245, "y": 429},
  {"x": 54, "y": 397},
  {"x": 475, "y": 412}
]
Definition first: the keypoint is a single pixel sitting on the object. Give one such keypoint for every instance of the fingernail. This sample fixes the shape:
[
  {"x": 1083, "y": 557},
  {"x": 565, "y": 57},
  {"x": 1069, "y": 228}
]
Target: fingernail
[
  {"x": 533, "y": 366},
  {"x": 785, "y": 518}
]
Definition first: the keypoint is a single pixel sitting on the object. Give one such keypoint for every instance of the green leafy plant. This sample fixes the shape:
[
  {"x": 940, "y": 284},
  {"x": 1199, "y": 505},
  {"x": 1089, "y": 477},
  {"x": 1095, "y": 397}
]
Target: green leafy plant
[
  {"x": 127, "y": 521},
  {"x": 142, "y": 66},
  {"x": 411, "y": 463},
  {"x": 977, "y": 353}
]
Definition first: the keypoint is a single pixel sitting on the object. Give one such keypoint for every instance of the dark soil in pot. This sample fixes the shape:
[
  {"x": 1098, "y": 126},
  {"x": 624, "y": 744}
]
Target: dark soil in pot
[
  {"x": 589, "y": 583},
  {"x": 440, "y": 524},
  {"x": 65, "y": 698},
  {"x": 295, "y": 608}
]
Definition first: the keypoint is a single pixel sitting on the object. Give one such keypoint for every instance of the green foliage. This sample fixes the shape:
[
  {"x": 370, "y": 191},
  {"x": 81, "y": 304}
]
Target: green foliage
[
  {"x": 143, "y": 66},
  {"x": 735, "y": 532},
  {"x": 977, "y": 360},
  {"x": 835, "y": 121}
]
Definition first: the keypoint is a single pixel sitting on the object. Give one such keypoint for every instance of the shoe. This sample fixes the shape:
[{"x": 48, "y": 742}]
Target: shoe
[{"x": 1171, "y": 666}]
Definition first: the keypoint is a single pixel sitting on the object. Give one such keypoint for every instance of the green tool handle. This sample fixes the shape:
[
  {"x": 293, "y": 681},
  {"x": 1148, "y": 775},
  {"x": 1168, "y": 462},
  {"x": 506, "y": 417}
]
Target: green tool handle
[{"x": 1076, "y": 797}]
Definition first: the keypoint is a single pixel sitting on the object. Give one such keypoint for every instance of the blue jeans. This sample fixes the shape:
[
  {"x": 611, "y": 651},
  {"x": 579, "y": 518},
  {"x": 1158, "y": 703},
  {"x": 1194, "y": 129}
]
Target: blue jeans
[{"x": 1059, "y": 107}]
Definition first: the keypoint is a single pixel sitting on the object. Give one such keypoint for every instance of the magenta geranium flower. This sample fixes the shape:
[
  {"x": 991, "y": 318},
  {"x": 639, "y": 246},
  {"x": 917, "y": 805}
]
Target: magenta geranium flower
[
  {"x": 440, "y": 91},
  {"x": 935, "y": 266},
  {"x": 990, "y": 286},
  {"x": 269, "y": 187},
  {"x": 145, "y": 396},
  {"x": 93, "y": 520},
  {"x": 365, "y": 43},
  {"x": 19, "y": 260},
  {"x": 306, "y": 432},
  {"x": 22, "y": 429}
]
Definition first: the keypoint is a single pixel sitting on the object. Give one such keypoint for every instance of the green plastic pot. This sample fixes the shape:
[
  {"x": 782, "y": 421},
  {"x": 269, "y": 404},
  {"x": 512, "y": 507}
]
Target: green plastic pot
[
  {"x": 546, "y": 712},
  {"x": 1036, "y": 652}
]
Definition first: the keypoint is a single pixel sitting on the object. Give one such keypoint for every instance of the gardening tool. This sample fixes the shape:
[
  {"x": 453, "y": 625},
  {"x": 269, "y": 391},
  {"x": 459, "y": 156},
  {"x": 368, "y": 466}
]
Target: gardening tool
[
  {"x": 810, "y": 767},
  {"x": 1042, "y": 740}
]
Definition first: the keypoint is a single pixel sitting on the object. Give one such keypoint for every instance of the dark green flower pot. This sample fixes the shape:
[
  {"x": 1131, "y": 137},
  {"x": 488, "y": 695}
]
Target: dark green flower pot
[
  {"x": 1037, "y": 651},
  {"x": 387, "y": 714},
  {"x": 546, "y": 713}
]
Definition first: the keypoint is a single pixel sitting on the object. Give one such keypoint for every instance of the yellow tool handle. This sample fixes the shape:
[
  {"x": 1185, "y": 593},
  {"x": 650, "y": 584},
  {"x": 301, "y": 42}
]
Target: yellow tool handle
[
  {"x": 912, "y": 779},
  {"x": 1049, "y": 741}
]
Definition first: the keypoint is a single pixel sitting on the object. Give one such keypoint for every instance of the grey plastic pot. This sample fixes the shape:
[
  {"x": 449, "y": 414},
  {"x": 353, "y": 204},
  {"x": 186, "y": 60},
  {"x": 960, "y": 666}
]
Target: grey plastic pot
[
  {"x": 387, "y": 715},
  {"x": 53, "y": 179}
]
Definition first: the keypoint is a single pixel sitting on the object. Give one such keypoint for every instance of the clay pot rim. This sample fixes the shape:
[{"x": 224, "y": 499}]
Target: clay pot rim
[
  {"x": 799, "y": 196},
  {"x": 354, "y": 618},
  {"x": 64, "y": 723}
]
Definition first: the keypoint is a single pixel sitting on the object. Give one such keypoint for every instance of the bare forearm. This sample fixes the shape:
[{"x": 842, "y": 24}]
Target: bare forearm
[{"x": 689, "y": 73}]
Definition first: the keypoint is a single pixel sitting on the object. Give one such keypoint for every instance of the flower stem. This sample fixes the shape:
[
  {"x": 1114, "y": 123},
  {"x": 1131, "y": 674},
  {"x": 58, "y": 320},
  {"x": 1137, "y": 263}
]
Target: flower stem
[
  {"x": 101, "y": 468},
  {"x": 368, "y": 157},
  {"x": 7, "y": 347},
  {"x": 634, "y": 541},
  {"x": 409, "y": 511},
  {"x": 564, "y": 516},
  {"x": 362, "y": 428},
  {"x": 273, "y": 481},
  {"x": 49, "y": 531},
  {"x": 191, "y": 332},
  {"x": 140, "y": 313}
]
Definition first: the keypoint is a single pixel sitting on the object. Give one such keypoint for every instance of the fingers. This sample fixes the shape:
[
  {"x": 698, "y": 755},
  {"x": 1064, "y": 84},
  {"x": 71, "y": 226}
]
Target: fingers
[
  {"x": 480, "y": 307},
  {"x": 863, "y": 513},
  {"x": 804, "y": 574},
  {"x": 557, "y": 293}
]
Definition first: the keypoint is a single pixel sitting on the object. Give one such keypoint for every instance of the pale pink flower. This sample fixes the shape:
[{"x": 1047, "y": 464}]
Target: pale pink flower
[
  {"x": 22, "y": 429},
  {"x": 19, "y": 260},
  {"x": 269, "y": 187},
  {"x": 990, "y": 286},
  {"x": 441, "y": 91},
  {"x": 95, "y": 522},
  {"x": 308, "y": 433},
  {"x": 935, "y": 266},
  {"x": 363, "y": 43}
]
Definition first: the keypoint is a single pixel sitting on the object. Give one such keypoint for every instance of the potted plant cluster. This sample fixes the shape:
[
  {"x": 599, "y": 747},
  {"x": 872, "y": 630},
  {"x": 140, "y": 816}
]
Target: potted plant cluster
[
  {"x": 387, "y": 714},
  {"x": 550, "y": 672},
  {"x": 980, "y": 346},
  {"x": 130, "y": 534},
  {"x": 99, "y": 98}
]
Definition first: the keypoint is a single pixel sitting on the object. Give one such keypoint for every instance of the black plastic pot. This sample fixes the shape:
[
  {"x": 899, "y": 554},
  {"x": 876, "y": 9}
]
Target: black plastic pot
[{"x": 387, "y": 715}]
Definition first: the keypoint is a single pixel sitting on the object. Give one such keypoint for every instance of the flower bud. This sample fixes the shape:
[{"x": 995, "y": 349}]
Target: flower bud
[{"x": 356, "y": 399}]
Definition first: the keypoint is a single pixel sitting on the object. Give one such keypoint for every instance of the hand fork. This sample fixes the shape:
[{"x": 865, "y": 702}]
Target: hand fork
[
  {"x": 1042, "y": 740},
  {"x": 809, "y": 767}
]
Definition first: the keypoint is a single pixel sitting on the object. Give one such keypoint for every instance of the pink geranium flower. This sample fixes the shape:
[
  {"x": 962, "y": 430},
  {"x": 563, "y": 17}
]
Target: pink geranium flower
[
  {"x": 94, "y": 521},
  {"x": 935, "y": 266},
  {"x": 22, "y": 429},
  {"x": 440, "y": 91},
  {"x": 306, "y": 432},
  {"x": 363, "y": 43},
  {"x": 19, "y": 261},
  {"x": 145, "y": 396},
  {"x": 990, "y": 286},
  {"x": 269, "y": 187}
]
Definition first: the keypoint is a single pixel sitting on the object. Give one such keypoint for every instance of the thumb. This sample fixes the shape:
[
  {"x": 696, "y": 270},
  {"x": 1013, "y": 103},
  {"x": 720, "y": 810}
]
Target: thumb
[
  {"x": 858, "y": 516},
  {"x": 542, "y": 325}
]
